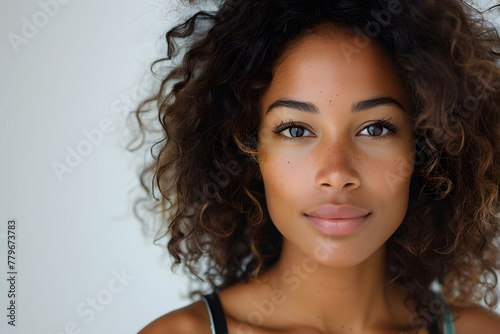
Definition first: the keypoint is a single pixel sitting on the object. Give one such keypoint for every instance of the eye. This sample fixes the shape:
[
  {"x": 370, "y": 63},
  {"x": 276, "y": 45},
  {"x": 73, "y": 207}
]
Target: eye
[
  {"x": 296, "y": 131},
  {"x": 291, "y": 130},
  {"x": 381, "y": 128},
  {"x": 375, "y": 130}
]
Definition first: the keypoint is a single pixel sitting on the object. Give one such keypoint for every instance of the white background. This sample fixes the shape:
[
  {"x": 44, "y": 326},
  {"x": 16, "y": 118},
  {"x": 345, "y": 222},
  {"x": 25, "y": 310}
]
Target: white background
[{"x": 85, "y": 63}]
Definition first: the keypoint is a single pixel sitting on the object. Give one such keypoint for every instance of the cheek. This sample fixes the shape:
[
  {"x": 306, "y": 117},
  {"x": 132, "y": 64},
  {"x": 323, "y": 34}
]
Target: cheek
[
  {"x": 277, "y": 177},
  {"x": 391, "y": 181},
  {"x": 284, "y": 182},
  {"x": 397, "y": 172}
]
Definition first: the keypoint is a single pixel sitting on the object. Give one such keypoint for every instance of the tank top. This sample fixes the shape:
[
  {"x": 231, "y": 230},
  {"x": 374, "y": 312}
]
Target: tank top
[{"x": 218, "y": 320}]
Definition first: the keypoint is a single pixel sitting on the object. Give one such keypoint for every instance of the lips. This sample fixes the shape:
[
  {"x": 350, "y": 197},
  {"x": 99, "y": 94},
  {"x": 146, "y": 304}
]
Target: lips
[
  {"x": 330, "y": 211},
  {"x": 337, "y": 219}
]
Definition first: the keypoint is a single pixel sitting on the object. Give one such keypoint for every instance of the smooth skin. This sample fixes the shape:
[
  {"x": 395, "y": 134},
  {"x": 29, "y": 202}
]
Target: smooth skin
[{"x": 318, "y": 144}]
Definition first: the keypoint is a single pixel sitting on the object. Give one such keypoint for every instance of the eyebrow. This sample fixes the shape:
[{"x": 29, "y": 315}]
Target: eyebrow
[{"x": 356, "y": 107}]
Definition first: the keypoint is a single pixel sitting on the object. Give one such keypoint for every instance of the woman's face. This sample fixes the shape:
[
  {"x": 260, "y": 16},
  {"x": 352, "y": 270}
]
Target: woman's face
[{"x": 319, "y": 147}]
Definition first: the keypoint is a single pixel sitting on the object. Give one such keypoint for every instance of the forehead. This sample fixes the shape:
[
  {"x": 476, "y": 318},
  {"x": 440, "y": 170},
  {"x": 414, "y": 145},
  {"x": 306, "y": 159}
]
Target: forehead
[
  {"x": 340, "y": 42},
  {"x": 332, "y": 61}
]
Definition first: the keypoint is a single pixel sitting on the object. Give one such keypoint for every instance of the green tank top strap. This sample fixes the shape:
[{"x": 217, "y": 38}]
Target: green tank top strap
[{"x": 448, "y": 327}]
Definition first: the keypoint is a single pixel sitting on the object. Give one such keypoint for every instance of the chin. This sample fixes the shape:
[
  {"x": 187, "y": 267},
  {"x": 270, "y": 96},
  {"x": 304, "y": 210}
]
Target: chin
[{"x": 336, "y": 253}]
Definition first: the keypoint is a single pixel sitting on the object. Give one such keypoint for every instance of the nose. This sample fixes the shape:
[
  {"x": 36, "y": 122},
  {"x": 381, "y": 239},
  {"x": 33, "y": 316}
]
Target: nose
[{"x": 335, "y": 169}]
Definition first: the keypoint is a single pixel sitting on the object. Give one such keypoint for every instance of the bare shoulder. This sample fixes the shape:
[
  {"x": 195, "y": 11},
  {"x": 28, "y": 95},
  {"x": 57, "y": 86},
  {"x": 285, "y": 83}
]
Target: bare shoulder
[
  {"x": 476, "y": 319},
  {"x": 191, "y": 319}
]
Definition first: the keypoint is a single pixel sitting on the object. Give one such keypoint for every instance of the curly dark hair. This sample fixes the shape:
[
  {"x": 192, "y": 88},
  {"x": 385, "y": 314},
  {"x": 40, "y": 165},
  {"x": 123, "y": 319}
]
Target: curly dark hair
[{"x": 447, "y": 55}]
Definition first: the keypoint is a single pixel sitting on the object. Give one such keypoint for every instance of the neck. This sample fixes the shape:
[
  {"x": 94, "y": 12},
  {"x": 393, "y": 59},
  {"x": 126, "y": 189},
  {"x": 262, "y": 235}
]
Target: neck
[{"x": 336, "y": 300}]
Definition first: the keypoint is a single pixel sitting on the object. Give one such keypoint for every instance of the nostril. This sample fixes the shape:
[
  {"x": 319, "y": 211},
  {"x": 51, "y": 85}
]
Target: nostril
[{"x": 346, "y": 185}]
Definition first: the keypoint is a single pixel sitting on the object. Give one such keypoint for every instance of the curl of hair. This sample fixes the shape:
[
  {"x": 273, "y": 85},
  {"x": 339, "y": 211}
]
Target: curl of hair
[{"x": 447, "y": 56}]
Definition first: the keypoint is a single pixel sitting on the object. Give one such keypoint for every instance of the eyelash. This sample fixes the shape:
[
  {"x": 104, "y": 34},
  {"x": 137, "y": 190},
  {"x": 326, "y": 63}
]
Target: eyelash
[{"x": 384, "y": 122}]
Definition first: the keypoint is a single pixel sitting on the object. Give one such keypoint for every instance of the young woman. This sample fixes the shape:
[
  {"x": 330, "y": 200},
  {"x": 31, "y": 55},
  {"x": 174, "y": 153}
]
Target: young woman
[{"x": 332, "y": 167}]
